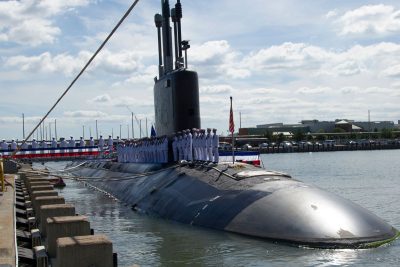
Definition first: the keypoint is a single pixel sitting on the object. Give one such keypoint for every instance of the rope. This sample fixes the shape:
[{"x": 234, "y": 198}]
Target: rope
[{"x": 80, "y": 73}]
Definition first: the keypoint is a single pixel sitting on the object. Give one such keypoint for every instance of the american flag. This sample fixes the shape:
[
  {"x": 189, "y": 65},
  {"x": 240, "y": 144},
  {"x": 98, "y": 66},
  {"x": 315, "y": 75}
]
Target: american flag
[{"x": 231, "y": 122}]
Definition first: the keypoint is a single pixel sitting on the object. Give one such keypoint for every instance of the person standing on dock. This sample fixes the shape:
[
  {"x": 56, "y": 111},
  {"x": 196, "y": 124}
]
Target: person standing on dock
[
  {"x": 189, "y": 145},
  {"x": 209, "y": 145},
  {"x": 71, "y": 144},
  {"x": 215, "y": 145},
  {"x": 53, "y": 143},
  {"x": 174, "y": 147},
  {"x": 91, "y": 144},
  {"x": 101, "y": 143},
  {"x": 13, "y": 145},
  {"x": 110, "y": 143},
  {"x": 34, "y": 146},
  {"x": 81, "y": 144},
  {"x": 24, "y": 146}
]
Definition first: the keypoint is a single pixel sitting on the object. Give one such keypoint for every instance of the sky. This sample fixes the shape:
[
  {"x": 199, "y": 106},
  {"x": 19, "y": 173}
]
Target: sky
[{"x": 281, "y": 61}]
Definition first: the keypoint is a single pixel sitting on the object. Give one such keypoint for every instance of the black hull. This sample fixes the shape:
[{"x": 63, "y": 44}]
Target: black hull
[{"x": 264, "y": 204}]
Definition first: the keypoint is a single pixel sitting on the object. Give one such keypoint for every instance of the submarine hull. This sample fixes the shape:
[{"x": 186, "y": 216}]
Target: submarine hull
[{"x": 261, "y": 204}]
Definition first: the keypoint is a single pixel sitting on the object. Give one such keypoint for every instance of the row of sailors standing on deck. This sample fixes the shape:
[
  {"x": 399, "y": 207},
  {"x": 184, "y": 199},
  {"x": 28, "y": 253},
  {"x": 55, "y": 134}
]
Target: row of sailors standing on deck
[
  {"x": 199, "y": 146},
  {"x": 150, "y": 150},
  {"x": 71, "y": 143}
]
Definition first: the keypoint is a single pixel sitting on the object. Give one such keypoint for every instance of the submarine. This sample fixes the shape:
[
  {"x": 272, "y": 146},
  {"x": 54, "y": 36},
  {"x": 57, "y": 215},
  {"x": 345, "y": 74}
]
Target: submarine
[{"x": 234, "y": 197}]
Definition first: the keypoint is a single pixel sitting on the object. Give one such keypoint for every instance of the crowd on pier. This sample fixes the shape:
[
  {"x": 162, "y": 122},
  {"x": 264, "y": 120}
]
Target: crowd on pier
[{"x": 188, "y": 145}]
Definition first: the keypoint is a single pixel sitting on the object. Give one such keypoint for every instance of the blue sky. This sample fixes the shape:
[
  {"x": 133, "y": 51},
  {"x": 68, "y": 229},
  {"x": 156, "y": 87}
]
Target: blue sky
[{"x": 282, "y": 61}]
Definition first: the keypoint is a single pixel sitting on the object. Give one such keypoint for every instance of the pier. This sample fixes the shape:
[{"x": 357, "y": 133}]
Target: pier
[{"x": 39, "y": 229}]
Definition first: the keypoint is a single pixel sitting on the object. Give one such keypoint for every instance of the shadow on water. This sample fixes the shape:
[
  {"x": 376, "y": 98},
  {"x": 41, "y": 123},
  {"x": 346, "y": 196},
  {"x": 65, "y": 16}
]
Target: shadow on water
[{"x": 145, "y": 241}]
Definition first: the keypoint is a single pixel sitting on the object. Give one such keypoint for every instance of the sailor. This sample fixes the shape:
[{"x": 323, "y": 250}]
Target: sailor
[
  {"x": 215, "y": 145},
  {"x": 53, "y": 143},
  {"x": 110, "y": 143},
  {"x": 165, "y": 149},
  {"x": 91, "y": 144},
  {"x": 43, "y": 144},
  {"x": 71, "y": 144},
  {"x": 209, "y": 145},
  {"x": 34, "y": 145},
  {"x": 180, "y": 147},
  {"x": 185, "y": 145},
  {"x": 175, "y": 147},
  {"x": 189, "y": 145},
  {"x": 63, "y": 144},
  {"x": 195, "y": 157},
  {"x": 81, "y": 144},
  {"x": 101, "y": 143},
  {"x": 24, "y": 146},
  {"x": 203, "y": 146},
  {"x": 13, "y": 145},
  {"x": 118, "y": 140}
]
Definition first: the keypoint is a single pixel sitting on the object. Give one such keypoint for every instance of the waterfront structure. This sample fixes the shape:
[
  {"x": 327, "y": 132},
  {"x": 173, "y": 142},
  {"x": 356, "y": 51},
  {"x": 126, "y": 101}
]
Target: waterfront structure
[{"x": 316, "y": 126}]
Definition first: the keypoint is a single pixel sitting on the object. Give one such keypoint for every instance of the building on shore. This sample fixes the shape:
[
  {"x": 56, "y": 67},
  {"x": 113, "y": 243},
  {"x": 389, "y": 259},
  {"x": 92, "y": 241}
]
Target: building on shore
[{"x": 316, "y": 126}]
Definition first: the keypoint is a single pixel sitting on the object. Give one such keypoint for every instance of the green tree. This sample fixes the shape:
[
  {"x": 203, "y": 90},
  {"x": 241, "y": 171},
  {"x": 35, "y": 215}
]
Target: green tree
[
  {"x": 338, "y": 130},
  {"x": 281, "y": 138},
  {"x": 387, "y": 133},
  {"x": 298, "y": 135}
]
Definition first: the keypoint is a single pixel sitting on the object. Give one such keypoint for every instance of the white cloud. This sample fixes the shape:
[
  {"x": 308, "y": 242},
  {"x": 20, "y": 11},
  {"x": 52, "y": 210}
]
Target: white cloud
[
  {"x": 316, "y": 90},
  {"x": 122, "y": 62},
  {"x": 30, "y": 22},
  {"x": 370, "y": 19},
  {"x": 216, "y": 89},
  {"x": 85, "y": 114},
  {"x": 393, "y": 71},
  {"x": 209, "y": 51}
]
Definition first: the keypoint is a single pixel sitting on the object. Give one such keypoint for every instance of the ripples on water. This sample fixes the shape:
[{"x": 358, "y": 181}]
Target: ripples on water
[{"x": 369, "y": 178}]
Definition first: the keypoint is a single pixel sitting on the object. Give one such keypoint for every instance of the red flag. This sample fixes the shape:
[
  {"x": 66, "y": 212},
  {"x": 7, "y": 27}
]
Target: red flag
[{"x": 231, "y": 122}]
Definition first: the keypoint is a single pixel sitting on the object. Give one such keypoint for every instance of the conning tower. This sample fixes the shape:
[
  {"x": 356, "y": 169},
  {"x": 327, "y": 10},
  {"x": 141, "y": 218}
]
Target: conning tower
[{"x": 176, "y": 89}]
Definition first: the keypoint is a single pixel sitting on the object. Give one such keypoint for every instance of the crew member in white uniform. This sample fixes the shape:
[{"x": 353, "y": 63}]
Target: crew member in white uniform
[
  {"x": 110, "y": 143},
  {"x": 215, "y": 145},
  {"x": 91, "y": 144},
  {"x": 54, "y": 143},
  {"x": 101, "y": 143},
  {"x": 189, "y": 145},
  {"x": 81, "y": 144},
  {"x": 209, "y": 145},
  {"x": 34, "y": 146},
  {"x": 175, "y": 147},
  {"x": 13, "y": 145},
  {"x": 23, "y": 147},
  {"x": 71, "y": 144}
]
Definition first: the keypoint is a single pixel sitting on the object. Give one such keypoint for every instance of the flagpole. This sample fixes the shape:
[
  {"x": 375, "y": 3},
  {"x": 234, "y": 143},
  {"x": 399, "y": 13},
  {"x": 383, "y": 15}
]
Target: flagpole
[{"x": 232, "y": 129}]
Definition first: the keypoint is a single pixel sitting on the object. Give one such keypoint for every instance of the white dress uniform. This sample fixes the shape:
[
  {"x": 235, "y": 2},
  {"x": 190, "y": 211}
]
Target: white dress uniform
[
  {"x": 165, "y": 149},
  {"x": 175, "y": 148},
  {"x": 215, "y": 145},
  {"x": 110, "y": 143},
  {"x": 13, "y": 145},
  {"x": 209, "y": 147},
  {"x": 91, "y": 144},
  {"x": 101, "y": 143},
  {"x": 34, "y": 146},
  {"x": 54, "y": 143},
  {"x": 24, "y": 146},
  {"x": 71, "y": 144},
  {"x": 195, "y": 157},
  {"x": 81, "y": 144},
  {"x": 180, "y": 148},
  {"x": 189, "y": 146}
]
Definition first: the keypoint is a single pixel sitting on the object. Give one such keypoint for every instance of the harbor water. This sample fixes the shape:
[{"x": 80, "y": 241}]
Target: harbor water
[{"x": 369, "y": 178}]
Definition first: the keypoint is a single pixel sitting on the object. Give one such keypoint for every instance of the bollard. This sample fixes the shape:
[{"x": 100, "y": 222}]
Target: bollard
[
  {"x": 54, "y": 210},
  {"x": 93, "y": 250},
  {"x": 41, "y": 188},
  {"x": 43, "y": 193},
  {"x": 39, "y": 201},
  {"x": 65, "y": 226}
]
